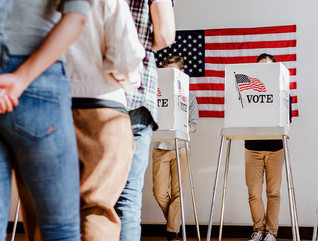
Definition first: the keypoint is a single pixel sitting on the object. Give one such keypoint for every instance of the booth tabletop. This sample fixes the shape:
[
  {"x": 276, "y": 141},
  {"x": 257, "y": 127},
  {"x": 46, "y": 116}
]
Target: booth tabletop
[{"x": 254, "y": 133}]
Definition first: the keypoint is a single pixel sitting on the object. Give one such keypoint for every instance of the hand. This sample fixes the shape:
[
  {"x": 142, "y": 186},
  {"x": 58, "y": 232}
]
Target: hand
[{"x": 11, "y": 88}]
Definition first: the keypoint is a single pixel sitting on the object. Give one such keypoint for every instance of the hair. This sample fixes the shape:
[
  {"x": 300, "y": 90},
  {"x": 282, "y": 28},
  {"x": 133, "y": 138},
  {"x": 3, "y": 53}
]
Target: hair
[
  {"x": 266, "y": 56},
  {"x": 174, "y": 59}
]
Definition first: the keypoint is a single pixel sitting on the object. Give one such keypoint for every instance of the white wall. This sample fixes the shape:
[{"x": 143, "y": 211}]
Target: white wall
[{"x": 212, "y": 14}]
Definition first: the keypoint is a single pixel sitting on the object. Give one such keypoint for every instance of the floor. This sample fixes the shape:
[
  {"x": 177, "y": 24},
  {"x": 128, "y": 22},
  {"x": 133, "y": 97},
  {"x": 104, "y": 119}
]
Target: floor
[{"x": 21, "y": 237}]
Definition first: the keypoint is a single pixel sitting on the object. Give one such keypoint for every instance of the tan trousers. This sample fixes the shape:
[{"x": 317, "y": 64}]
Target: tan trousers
[
  {"x": 256, "y": 164},
  {"x": 106, "y": 145},
  {"x": 164, "y": 168}
]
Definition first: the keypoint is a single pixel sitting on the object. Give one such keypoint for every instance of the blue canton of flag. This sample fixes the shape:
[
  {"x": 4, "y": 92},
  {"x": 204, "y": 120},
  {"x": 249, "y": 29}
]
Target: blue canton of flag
[{"x": 190, "y": 46}]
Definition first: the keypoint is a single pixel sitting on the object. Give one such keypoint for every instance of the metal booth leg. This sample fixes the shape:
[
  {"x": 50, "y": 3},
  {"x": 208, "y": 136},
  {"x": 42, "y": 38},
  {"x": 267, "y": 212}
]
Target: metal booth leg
[
  {"x": 314, "y": 234},
  {"x": 15, "y": 220},
  {"x": 180, "y": 190},
  {"x": 208, "y": 237},
  {"x": 192, "y": 192},
  {"x": 226, "y": 173},
  {"x": 291, "y": 193}
]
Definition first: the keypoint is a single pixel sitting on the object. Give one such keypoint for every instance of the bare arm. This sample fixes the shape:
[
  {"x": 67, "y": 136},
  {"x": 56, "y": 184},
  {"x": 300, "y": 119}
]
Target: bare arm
[
  {"x": 163, "y": 21},
  {"x": 65, "y": 32}
]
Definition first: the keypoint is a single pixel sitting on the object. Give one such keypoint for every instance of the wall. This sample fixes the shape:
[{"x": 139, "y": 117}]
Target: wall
[{"x": 212, "y": 14}]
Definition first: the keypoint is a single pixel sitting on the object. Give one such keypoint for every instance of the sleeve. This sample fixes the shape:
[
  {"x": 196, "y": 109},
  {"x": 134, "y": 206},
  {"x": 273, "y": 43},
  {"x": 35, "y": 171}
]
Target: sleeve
[
  {"x": 158, "y": 1},
  {"x": 193, "y": 112},
  {"x": 77, "y": 6},
  {"x": 124, "y": 53}
]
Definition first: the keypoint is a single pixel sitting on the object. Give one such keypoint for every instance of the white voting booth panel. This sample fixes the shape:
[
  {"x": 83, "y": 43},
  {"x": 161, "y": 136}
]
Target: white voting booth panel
[
  {"x": 173, "y": 99},
  {"x": 256, "y": 95}
]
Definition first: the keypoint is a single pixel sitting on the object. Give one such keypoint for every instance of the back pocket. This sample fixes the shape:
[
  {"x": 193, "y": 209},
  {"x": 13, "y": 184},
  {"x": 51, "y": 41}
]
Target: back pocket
[{"x": 37, "y": 113}]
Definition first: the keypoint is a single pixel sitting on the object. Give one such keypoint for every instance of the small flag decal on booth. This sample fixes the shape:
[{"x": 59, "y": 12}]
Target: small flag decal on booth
[{"x": 247, "y": 83}]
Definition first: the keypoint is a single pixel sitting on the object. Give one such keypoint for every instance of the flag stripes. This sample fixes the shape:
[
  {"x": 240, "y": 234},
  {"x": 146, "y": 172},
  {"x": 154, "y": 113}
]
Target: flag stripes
[{"x": 206, "y": 52}]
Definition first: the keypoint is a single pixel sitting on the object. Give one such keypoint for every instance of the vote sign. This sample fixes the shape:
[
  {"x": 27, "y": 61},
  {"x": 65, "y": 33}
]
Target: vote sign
[{"x": 256, "y": 95}]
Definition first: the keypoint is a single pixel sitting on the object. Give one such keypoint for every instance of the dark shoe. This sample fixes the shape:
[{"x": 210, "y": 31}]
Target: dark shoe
[{"x": 172, "y": 236}]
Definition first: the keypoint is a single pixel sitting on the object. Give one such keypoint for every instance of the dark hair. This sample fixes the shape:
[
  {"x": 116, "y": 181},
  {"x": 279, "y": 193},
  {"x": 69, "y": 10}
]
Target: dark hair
[
  {"x": 174, "y": 59},
  {"x": 266, "y": 56}
]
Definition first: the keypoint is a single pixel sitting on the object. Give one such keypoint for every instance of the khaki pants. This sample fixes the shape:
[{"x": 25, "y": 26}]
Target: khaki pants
[
  {"x": 164, "y": 168},
  {"x": 256, "y": 164},
  {"x": 106, "y": 145}
]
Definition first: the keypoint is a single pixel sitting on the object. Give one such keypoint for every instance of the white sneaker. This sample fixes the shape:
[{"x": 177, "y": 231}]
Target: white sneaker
[
  {"x": 257, "y": 236},
  {"x": 270, "y": 237}
]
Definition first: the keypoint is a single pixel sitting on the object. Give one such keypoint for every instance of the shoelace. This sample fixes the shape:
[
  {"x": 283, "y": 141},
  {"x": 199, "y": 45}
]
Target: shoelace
[{"x": 255, "y": 235}]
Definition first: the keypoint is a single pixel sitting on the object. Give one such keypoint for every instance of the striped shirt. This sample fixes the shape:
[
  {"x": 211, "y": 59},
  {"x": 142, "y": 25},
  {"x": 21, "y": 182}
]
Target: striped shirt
[{"x": 146, "y": 94}]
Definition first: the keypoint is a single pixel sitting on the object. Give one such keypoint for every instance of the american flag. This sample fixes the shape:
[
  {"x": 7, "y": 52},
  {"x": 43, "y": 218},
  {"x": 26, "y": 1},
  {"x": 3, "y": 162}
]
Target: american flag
[
  {"x": 246, "y": 83},
  {"x": 207, "y": 51}
]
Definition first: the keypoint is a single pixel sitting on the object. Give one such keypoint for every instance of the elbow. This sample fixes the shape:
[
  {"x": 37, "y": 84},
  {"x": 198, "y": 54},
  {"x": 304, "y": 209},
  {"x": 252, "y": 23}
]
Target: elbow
[
  {"x": 163, "y": 39},
  {"x": 77, "y": 19},
  {"x": 82, "y": 20}
]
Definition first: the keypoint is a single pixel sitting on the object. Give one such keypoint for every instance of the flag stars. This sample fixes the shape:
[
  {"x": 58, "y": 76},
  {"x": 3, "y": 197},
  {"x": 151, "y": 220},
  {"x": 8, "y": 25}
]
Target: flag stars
[
  {"x": 189, "y": 45},
  {"x": 184, "y": 41},
  {"x": 194, "y": 40},
  {"x": 184, "y": 49},
  {"x": 179, "y": 45},
  {"x": 185, "y": 66},
  {"x": 179, "y": 37},
  {"x": 200, "y": 53},
  {"x": 200, "y": 45},
  {"x": 200, "y": 70},
  {"x": 200, "y": 36},
  {"x": 174, "y": 50},
  {"x": 189, "y": 37},
  {"x": 165, "y": 51},
  {"x": 194, "y": 49}
]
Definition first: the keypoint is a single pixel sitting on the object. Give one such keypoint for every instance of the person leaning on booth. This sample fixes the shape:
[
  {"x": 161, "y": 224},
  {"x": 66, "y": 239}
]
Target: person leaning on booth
[
  {"x": 264, "y": 156},
  {"x": 165, "y": 164}
]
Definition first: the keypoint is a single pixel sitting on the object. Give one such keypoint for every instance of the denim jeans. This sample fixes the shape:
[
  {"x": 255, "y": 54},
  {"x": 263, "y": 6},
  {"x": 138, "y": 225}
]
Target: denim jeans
[
  {"x": 128, "y": 206},
  {"x": 38, "y": 140}
]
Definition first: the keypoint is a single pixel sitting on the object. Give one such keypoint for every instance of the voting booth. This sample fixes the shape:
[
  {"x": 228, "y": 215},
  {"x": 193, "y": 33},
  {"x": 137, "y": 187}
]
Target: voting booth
[
  {"x": 173, "y": 119},
  {"x": 256, "y": 108},
  {"x": 173, "y": 99},
  {"x": 256, "y": 95}
]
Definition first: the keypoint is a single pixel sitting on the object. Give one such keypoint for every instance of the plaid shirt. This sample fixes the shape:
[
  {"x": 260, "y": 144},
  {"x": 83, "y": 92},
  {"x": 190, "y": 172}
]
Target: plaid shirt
[{"x": 146, "y": 94}]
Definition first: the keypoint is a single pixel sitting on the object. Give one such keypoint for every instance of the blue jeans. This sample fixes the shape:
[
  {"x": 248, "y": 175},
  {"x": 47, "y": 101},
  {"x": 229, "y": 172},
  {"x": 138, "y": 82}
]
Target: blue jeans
[
  {"x": 128, "y": 205},
  {"x": 38, "y": 140}
]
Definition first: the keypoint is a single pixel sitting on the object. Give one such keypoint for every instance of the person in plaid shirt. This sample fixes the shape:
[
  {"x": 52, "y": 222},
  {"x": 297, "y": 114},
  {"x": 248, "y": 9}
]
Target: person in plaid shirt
[{"x": 154, "y": 20}]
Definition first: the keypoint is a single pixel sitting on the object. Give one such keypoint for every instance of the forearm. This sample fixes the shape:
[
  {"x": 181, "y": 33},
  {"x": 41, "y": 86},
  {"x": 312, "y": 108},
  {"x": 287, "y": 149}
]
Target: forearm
[{"x": 65, "y": 32}]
